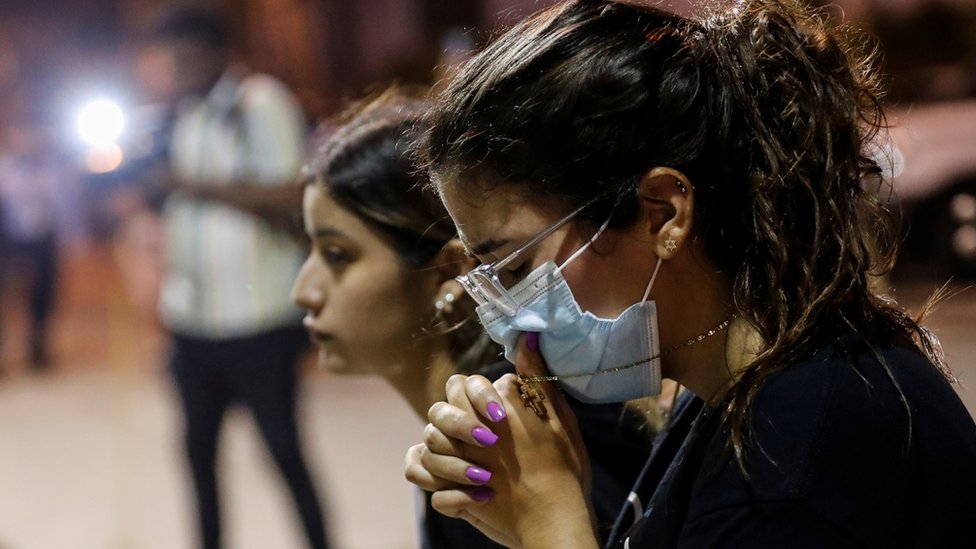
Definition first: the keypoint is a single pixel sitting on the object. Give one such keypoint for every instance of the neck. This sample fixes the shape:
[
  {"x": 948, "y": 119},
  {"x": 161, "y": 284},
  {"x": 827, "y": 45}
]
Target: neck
[
  {"x": 710, "y": 367},
  {"x": 421, "y": 383},
  {"x": 707, "y": 367}
]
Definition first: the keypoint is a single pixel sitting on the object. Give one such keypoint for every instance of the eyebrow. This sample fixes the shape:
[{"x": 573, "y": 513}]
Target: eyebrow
[
  {"x": 324, "y": 232},
  {"x": 488, "y": 246}
]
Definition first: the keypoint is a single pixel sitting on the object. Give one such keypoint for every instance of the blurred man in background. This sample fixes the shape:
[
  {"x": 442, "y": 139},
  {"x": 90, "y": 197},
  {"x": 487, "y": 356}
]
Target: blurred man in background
[
  {"x": 237, "y": 145},
  {"x": 39, "y": 201}
]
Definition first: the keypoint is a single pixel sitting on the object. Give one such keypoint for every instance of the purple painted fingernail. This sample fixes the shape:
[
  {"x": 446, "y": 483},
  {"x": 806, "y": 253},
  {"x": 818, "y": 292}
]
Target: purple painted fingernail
[
  {"x": 477, "y": 474},
  {"x": 496, "y": 412},
  {"x": 482, "y": 494},
  {"x": 484, "y": 436},
  {"x": 532, "y": 341}
]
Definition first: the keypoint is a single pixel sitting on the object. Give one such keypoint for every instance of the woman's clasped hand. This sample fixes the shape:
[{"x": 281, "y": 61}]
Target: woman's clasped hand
[{"x": 482, "y": 465}]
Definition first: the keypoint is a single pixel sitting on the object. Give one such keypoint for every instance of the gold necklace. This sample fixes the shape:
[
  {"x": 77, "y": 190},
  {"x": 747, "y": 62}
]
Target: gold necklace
[{"x": 533, "y": 397}]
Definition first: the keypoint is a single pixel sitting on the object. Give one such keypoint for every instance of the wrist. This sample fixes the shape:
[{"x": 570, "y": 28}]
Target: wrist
[{"x": 563, "y": 519}]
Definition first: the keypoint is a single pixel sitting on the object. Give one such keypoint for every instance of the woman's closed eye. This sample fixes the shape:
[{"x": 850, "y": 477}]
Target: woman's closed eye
[
  {"x": 335, "y": 256},
  {"x": 512, "y": 277}
]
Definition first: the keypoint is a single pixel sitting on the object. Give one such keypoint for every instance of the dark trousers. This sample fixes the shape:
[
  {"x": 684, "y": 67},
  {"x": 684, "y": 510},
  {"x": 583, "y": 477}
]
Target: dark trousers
[
  {"x": 40, "y": 258},
  {"x": 258, "y": 372}
]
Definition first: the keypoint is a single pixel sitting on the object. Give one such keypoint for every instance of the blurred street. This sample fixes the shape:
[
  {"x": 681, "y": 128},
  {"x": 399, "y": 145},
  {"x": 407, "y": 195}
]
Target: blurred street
[{"x": 90, "y": 456}]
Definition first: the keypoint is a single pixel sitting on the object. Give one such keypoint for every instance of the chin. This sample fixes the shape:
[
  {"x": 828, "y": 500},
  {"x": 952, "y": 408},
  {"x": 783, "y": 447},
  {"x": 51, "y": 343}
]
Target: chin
[
  {"x": 330, "y": 361},
  {"x": 335, "y": 363}
]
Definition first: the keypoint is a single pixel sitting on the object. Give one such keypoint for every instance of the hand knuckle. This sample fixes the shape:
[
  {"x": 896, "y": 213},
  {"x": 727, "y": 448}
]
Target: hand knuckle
[
  {"x": 456, "y": 380},
  {"x": 425, "y": 460},
  {"x": 412, "y": 474},
  {"x": 444, "y": 505},
  {"x": 435, "y": 410},
  {"x": 507, "y": 386},
  {"x": 431, "y": 435},
  {"x": 508, "y": 379},
  {"x": 456, "y": 422},
  {"x": 473, "y": 382},
  {"x": 412, "y": 453},
  {"x": 482, "y": 389}
]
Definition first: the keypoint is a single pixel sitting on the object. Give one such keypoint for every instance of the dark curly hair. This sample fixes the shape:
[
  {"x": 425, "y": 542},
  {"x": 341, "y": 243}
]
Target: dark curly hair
[
  {"x": 366, "y": 164},
  {"x": 768, "y": 110}
]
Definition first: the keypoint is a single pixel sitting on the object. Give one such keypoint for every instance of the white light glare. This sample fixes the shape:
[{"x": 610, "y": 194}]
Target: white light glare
[{"x": 100, "y": 122}]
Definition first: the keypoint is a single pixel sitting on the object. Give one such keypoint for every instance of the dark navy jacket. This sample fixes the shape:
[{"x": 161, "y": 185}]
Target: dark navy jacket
[{"x": 837, "y": 462}]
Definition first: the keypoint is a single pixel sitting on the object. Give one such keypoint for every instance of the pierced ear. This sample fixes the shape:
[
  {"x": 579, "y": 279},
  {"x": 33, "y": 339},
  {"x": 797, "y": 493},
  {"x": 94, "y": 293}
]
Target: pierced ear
[
  {"x": 669, "y": 197},
  {"x": 450, "y": 262},
  {"x": 453, "y": 261}
]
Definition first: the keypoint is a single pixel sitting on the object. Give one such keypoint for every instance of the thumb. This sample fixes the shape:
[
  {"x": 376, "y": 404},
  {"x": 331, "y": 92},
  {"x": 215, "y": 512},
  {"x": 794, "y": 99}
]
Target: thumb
[
  {"x": 528, "y": 361},
  {"x": 530, "y": 364}
]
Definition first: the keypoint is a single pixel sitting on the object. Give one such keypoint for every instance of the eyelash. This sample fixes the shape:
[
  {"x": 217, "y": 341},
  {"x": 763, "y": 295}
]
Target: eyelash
[
  {"x": 521, "y": 270},
  {"x": 515, "y": 275},
  {"x": 335, "y": 256}
]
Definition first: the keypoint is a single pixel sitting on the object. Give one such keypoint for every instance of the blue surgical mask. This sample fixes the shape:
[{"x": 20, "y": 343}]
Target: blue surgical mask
[{"x": 596, "y": 360}]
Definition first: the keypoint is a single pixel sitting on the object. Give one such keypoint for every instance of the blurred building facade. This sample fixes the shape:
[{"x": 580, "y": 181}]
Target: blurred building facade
[
  {"x": 56, "y": 53},
  {"x": 329, "y": 50}
]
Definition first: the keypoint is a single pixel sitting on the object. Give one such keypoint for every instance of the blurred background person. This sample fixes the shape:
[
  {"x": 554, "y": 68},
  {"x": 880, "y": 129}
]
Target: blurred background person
[
  {"x": 236, "y": 146},
  {"x": 39, "y": 200}
]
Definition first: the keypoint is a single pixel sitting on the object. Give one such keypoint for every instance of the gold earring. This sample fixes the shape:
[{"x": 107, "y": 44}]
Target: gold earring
[{"x": 670, "y": 244}]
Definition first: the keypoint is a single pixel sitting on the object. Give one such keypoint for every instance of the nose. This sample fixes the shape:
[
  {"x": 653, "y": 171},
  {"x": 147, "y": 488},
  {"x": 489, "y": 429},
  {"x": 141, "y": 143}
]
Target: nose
[{"x": 307, "y": 292}]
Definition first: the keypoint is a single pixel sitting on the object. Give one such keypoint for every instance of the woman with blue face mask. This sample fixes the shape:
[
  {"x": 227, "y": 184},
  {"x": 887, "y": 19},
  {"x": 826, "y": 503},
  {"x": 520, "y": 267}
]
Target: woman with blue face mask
[{"x": 656, "y": 196}]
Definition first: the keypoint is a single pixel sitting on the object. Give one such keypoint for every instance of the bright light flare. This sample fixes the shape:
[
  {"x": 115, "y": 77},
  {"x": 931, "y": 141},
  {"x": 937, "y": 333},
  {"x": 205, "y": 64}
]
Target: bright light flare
[
  {"x": 100, "y": 123},
  {"x": 104, "y": 159}
]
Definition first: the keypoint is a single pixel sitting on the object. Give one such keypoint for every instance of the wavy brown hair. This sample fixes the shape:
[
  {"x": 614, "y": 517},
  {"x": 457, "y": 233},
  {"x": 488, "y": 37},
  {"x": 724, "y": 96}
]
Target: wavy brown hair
[{"x": 764, "y": 106}]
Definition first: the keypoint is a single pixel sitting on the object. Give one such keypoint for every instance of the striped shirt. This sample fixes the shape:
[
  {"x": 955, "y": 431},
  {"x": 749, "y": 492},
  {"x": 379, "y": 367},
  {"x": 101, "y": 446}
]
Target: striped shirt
[{"x": 228, "y": 272}]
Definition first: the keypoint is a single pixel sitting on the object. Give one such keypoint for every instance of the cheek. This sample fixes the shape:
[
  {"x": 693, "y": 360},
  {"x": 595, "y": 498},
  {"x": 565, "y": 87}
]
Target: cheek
[
  {"x": 376, "y": 321},
  {"x": 583, "y": 281},
  {"x": 599, "y": 287}
]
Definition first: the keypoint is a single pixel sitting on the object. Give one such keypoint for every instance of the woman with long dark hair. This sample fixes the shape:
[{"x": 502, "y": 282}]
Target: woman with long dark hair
[{"x": 656, "y": 196}]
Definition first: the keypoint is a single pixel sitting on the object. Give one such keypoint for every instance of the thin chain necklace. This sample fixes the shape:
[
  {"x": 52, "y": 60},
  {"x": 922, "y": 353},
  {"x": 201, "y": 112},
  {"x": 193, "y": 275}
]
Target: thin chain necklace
[{"x": 700, "y": 337}]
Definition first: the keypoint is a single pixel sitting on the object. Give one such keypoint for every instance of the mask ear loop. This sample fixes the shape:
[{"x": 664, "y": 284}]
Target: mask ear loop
[
  {"x": 647, "y": 291},
  {"x": 578, "y": 252}
]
